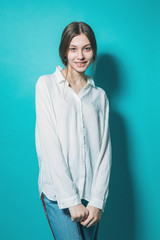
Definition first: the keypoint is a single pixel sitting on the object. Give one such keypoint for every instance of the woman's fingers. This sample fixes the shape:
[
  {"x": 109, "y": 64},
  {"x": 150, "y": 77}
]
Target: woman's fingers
[
  {"x": 93, "y": 218},
  {"x": 78, "y": 212}
]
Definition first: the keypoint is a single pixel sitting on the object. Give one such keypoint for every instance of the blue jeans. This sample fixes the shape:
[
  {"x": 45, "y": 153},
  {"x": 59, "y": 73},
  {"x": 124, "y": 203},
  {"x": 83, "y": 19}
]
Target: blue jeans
[{"x": 61, "y": 223}]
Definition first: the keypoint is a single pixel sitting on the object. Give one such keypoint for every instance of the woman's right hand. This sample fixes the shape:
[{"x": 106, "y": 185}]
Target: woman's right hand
[{"x": 78, "y": 213}]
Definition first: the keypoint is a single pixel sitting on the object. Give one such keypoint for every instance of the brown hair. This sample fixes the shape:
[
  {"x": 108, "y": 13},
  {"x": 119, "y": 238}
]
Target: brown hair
[{"x": 71, "y": 30}]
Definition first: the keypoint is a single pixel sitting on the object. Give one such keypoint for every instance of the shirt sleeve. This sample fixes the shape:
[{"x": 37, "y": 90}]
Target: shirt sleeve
[
  {"x": 49, "y": 150},
  {"x": 100, "y": 184}
]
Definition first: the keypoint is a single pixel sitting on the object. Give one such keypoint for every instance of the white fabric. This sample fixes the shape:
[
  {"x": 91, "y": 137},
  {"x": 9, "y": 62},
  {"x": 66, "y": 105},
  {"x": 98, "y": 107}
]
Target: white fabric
[{"x": 72, "y": 141}]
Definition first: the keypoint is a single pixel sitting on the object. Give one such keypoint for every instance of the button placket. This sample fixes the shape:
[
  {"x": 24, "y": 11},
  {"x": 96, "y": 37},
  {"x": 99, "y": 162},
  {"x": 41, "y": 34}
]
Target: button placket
[
  {"x": 78, "y": 102},
  {"x": 82, "y": 140}
]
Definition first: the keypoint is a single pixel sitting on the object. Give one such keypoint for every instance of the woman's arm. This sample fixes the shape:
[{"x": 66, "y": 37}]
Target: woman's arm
[
  {"x": 49, "y": 150},
  {"x": 100, "y": 184}
]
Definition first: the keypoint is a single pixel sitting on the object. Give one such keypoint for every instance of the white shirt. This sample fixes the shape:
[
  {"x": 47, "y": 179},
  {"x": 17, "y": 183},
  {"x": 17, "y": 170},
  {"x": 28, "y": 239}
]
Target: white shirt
[{"x": 72, "y": 141}]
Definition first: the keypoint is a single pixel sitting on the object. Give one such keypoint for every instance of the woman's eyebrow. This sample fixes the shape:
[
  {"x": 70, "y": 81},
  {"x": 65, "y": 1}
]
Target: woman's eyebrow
[{"x": 83, "y": 46}]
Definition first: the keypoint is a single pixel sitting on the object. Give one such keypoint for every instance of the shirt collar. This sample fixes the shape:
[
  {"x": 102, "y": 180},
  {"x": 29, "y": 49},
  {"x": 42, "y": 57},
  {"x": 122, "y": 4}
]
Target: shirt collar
[{"x": 60, "y": 78}]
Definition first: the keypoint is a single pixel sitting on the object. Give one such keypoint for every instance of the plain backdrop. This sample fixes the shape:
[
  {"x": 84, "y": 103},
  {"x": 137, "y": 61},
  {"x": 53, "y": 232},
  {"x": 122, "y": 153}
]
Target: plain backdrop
[{"x": 128, "y": 64}]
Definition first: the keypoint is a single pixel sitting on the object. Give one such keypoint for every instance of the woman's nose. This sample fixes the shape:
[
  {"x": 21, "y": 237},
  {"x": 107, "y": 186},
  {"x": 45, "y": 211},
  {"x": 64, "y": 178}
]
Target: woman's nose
[{"x": 80, "y": 55}]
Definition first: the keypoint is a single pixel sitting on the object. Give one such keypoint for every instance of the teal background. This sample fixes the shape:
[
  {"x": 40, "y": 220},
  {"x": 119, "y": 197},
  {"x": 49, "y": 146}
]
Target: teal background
[{"x": 128, "y": 40}]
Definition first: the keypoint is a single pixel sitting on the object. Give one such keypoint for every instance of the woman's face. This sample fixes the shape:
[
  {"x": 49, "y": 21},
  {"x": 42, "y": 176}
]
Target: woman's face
[{"x": 80, "y": 54}]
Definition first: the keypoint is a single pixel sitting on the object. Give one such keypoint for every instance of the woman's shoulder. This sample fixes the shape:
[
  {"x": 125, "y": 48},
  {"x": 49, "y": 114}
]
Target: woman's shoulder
[
  {"x": 50, "y": 79},
  {"x": 97, "y": 88},
  {"x": 47, "y": 80},
  {"x": 101, "y": 92}
]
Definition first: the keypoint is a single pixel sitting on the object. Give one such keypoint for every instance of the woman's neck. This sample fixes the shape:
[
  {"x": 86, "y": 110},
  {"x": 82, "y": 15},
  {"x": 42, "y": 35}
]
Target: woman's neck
[{"x": 74, "y": 77}]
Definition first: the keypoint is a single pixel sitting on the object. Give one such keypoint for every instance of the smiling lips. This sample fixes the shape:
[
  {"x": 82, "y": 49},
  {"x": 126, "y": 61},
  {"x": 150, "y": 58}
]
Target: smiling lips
[{"x": 80, "y": 64}]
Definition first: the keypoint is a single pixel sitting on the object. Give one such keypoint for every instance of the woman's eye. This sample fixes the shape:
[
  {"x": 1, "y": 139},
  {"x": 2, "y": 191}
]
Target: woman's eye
[
  {"x": 87, "y": 48},
  {"x": 72, "y": 49}
]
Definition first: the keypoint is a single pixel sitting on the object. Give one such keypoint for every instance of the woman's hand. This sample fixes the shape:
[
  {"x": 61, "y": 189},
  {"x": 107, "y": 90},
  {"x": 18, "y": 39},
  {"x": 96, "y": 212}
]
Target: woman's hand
[
  {"x": 93, "y": 218},
  {"x": 78, "y": 213}
]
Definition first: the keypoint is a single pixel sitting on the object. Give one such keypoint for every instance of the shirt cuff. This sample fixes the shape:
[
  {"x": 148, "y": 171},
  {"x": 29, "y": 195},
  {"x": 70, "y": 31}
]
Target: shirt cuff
[
  {"x": 70, "y": 202},
  {"x": 98, "y": 203}
]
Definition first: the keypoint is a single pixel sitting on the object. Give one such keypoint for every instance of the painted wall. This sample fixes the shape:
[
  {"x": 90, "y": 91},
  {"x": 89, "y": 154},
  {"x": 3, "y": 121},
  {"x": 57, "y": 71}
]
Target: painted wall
[{"x": 128, "y": 66}]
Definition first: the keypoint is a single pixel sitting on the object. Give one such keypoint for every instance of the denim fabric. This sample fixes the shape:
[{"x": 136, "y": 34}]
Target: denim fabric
[{"x": 61, "y": 224}]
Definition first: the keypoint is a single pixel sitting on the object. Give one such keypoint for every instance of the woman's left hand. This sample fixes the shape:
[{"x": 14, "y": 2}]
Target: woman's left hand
[{"x": 93, "y": 218}]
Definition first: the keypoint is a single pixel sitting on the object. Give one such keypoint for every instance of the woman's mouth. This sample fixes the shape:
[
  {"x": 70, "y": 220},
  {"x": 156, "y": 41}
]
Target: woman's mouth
[{"x": 80, "y": 64}]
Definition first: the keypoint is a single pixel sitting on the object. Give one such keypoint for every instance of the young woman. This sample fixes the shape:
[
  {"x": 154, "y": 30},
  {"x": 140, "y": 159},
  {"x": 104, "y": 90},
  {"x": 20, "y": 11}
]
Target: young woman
[{"x": 73, "y": 139}]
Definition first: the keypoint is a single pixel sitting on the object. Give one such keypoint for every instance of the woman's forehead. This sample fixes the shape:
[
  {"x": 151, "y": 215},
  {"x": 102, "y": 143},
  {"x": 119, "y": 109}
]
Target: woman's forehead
[{"x": 80, "y": 40}]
